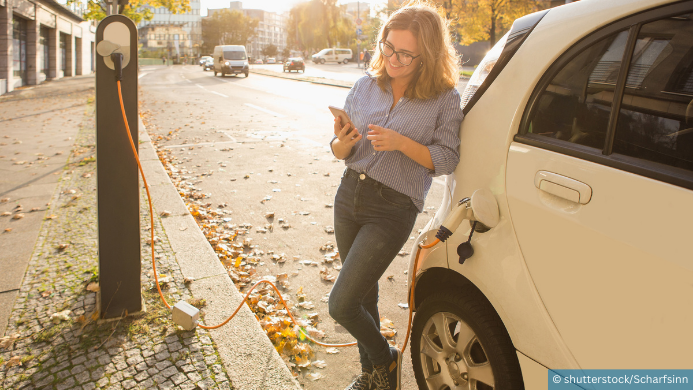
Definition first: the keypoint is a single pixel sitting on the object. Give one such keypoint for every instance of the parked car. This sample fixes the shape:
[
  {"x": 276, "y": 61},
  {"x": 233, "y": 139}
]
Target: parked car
[
  {"x": 231, "y": 59},
  {"x": 333, "y": 55},
  {"x": 258, "y": 61},
  {"x": 579, "y": 122},
  {"x": 209, "y": 64},
  {"x": 204, "y": 59},
  {"x": 271, "y": 60},
  {"x": 294, "y": 63}
]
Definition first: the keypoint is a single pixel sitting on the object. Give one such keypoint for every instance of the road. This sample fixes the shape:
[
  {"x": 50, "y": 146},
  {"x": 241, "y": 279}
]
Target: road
[{"x": 240, "y": 140}]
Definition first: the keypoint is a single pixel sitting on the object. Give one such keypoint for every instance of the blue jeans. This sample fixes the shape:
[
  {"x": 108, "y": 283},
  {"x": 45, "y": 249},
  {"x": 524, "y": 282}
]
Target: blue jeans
[{"x": 372, "y": 222}]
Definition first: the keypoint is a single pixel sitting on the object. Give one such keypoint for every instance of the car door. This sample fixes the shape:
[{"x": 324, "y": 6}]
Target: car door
[{"x": 600, "y": 192}]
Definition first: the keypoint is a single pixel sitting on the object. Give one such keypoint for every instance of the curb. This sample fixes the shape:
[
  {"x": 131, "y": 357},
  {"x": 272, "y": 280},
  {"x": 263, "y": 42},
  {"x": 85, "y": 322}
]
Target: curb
[
  {"x": 250, "y": 359},
  {"x": 333, "y": 83}
]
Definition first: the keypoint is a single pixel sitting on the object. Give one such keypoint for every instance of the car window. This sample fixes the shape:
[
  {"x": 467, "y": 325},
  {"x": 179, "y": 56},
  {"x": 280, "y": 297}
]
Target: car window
[
  {"x": 234, "y": 55},
  {"x": 576, "y": 104},
  {"x": 655, "y": 122}
]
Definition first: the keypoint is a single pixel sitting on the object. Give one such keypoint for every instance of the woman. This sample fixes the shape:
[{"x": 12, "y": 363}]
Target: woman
[{"x": 412, "y": 110}]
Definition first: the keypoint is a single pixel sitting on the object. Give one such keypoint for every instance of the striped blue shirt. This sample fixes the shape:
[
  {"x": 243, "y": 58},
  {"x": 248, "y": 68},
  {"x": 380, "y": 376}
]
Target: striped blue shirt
[{"x": 434, "y": 123}]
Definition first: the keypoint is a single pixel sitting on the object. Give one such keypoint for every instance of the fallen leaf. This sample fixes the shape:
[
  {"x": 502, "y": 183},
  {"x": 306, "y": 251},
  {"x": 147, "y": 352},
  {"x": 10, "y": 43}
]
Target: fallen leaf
[
  {"x": 319, "y": 364},
  {"x": 4, "y": 200},
  {"x": 14, "y": 361},
  {"x": 332, "y": 351},
  {"x": 403, "y": 305},
  {"x": 329, "y": 229},
  {"x": 52, "y": 216},
  {"x": 164, "y": 213},
  {"x": 61, "y": 316},
  {"x": 18, "y": 216},
  {"x": 93, "y": 287},
  {"x": 7, "y": 341},
  {"x": 6, "y": 214},
  {"x": 315, "y": 376},
  {"x": 7, "y": 230},
  {"x": 62, "y": 247}
]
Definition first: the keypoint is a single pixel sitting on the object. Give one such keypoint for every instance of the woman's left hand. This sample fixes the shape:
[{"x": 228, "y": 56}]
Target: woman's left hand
[{"x": 384, "y": 139}]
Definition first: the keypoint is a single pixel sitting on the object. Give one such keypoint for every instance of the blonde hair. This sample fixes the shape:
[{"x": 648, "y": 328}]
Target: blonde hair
[{"x": 438, "y": 71}]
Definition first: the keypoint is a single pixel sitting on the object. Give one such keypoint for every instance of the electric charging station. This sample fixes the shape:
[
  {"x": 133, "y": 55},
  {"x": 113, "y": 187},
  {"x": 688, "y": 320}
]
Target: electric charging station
[{"x": 117, "y": 177}]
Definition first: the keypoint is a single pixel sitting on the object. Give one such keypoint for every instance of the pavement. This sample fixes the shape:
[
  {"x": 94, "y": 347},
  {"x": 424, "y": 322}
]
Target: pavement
[{"x": 53, "y": 337}]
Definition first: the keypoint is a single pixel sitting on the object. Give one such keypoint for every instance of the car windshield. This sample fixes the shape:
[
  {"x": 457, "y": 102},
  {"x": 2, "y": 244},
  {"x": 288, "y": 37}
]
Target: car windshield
[
  {"x": 325, "y": 51},
  {"x": 234, "y": 55}
]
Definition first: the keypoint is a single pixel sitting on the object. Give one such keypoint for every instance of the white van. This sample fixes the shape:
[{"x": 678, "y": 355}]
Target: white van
[
  {"x": 336, "y": 55},
  {"x": 230, "y": 59}
]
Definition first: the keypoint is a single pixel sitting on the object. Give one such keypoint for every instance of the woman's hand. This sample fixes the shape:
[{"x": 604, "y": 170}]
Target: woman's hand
[
  {"x": 345, "y": 142},
  {"x": 384, "y": 139}
]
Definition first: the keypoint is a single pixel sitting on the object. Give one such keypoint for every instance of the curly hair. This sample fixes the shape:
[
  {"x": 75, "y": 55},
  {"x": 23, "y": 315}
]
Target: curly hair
[{"x": 439, "y": 70}]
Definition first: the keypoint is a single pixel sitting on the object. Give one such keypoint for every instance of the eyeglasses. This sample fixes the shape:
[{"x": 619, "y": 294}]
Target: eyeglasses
[{"x": 403, "y": 58}]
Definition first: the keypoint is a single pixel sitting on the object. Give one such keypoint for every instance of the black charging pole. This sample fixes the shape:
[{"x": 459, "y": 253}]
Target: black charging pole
[{"x": 117, "y": 175}]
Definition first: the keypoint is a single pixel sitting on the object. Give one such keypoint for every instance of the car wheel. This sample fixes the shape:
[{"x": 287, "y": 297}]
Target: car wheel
[
  {"x": 215, "y": 73},
  {"x": 246, "y": 74},
  {"x": 458, "y": 341},
  {"x": 346, "y": 61},
  {"x": 322, "y": 61}
]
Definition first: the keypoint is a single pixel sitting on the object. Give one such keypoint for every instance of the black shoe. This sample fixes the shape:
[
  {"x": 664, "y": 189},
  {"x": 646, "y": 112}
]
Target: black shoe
[
  {"x": 389, "y": 377},
  {"x": 362, "y": 382}
]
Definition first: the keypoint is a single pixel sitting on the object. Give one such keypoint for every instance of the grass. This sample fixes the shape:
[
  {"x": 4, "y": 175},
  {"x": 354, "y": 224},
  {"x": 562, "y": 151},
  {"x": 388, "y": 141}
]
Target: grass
[
  {"x": 45, "y": 335},
  {"x": 466, "y": 73}
]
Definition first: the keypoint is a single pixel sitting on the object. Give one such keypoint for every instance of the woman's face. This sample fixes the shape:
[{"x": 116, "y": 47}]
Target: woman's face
[{"x": 405, "y": 42}]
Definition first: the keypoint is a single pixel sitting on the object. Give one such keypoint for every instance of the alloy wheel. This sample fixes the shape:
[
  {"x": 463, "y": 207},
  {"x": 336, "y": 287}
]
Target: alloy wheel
[{"x": 452, "y": 356}]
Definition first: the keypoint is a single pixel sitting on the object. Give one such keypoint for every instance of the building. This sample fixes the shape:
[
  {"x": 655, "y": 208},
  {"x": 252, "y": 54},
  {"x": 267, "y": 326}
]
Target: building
[
  {"x": 271, "y": 29},
  {"x": 358, "y": 9},
  {"x": 176, "y": 36},
  {"x": 42, "y": 40}
]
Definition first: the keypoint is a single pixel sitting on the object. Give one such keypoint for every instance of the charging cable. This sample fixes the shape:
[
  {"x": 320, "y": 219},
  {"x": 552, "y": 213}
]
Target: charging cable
[{"x": 117, "y": 60}]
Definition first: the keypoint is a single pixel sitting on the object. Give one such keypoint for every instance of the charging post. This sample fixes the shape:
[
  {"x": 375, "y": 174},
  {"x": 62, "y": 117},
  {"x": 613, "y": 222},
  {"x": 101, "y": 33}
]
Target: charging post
[{"x": 117, "y": 176}]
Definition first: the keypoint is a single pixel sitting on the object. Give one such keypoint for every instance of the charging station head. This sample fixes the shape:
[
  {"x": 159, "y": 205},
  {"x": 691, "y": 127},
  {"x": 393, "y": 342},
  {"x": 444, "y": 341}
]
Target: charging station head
[{"x": 116, "y": 39}]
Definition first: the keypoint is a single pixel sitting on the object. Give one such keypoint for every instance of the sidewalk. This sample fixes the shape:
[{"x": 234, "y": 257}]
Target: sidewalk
[{"x": 53, "y": 338}]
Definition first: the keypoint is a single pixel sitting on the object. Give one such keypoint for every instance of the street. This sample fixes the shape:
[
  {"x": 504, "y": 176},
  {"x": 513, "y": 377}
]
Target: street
[{"x": 259, "y": 145}]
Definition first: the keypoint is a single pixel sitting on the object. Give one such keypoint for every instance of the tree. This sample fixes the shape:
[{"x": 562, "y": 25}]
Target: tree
[
  {"x": 286, "y": 53},
  {"x": 480, "y": 20},
  {"x": 269, "y": 51},
  {"x": 137, "y": 10},
  {"x": 227, "y": 27},
  {"x": 316, "y": 24}
]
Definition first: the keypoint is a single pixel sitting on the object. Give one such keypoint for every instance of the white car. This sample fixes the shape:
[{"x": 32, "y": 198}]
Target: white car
[
  {"x": 579, "y": 122},
  {"x": 271, "y": 60}
]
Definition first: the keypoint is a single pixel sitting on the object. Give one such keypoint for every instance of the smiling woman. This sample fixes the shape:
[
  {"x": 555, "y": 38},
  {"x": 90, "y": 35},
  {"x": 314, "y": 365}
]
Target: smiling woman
[{"x": 412, "y": 109}]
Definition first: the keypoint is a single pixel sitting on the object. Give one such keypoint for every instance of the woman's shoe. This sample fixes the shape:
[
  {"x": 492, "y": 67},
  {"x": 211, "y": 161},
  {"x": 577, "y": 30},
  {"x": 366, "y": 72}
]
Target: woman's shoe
[
  {"x": 362, "y": 382},
  {"x": 389, "y": 377}
]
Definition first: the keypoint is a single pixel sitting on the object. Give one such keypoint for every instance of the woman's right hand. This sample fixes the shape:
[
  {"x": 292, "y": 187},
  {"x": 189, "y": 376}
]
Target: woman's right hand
[{"x": 345, "y": 142}]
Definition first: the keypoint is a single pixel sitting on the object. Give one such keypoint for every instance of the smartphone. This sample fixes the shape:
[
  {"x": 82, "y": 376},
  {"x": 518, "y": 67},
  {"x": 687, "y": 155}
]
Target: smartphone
[{"x": 338, "y": 112}]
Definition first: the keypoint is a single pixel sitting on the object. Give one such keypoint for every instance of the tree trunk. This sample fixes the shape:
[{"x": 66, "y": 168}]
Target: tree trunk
[{"x": 492, "y": 33}]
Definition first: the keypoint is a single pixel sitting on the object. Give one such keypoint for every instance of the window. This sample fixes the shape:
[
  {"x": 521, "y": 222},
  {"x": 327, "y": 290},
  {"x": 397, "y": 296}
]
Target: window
[
  {"x": 655, "y": 122},
  {"x": 623, "y": 97},
  {"x": 19, "y": 42},
  {"x": 576, "y": 104}
]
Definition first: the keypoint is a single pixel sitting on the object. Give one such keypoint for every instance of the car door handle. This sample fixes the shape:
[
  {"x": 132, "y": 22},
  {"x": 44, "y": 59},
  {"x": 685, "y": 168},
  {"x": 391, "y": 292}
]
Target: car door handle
[{"x": 563, "y": 187}]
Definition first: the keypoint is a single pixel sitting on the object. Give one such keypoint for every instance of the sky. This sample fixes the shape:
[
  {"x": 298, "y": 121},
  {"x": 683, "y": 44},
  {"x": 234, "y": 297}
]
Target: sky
[{"x": 268, "y": 5}]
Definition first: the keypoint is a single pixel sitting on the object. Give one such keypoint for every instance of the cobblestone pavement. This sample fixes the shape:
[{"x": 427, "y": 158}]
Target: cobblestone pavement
[{"x": 54, "y": 338}]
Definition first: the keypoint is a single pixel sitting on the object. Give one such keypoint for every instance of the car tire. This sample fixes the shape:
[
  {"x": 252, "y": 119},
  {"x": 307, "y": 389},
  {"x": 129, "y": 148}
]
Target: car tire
[
  {"x": 246, "y": 74},
  {"x": 215, "y": 73},
  {"x": 322, "y": 61},
  {"x": 346, "y": 61},
  {"x": 488, "y": 348}
]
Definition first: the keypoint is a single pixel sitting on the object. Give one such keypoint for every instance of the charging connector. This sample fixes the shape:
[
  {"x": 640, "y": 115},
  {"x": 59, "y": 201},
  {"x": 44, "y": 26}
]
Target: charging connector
[
  {"x": 117, "y": 59},
  {"x": 186, "y": 315}
]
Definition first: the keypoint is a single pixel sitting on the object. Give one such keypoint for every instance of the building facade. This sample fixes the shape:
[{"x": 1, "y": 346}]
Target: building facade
[
  {"x": 271, "y": 29},
  {"x": 42, "y": 40},
  {"x": 175, "y": 36}
]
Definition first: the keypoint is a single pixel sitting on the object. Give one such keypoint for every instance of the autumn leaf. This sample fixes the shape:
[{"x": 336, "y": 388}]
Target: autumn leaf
[
  {"x": 52, "y": 216},
  {"x": 93, "y": 287}
]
